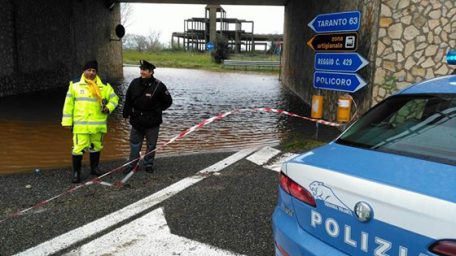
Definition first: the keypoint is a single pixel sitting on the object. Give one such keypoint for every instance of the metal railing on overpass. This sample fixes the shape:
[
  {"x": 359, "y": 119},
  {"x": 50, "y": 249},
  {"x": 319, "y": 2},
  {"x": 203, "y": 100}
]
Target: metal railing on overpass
[{"x": 273, "y": 64}]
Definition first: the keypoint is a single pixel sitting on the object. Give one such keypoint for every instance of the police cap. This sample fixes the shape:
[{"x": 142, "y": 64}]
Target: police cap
[{"x": 146, "y": 65}]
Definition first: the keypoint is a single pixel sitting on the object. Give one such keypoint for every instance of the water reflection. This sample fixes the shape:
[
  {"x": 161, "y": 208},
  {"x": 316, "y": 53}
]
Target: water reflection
[{"x": 31, "y": 135}]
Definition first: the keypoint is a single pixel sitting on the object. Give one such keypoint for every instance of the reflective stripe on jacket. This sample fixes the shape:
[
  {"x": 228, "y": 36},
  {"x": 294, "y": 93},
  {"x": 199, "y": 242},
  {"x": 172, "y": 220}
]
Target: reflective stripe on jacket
[{"x": 83, "y": 111}]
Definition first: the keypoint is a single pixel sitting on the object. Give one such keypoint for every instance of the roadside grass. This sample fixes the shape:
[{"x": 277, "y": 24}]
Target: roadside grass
[
  {"x": 175, "y": 59},
  {"x": 299, "y": 145},
  {"x": 297, "y": 141},
  {"x": 194, "y": 60}
]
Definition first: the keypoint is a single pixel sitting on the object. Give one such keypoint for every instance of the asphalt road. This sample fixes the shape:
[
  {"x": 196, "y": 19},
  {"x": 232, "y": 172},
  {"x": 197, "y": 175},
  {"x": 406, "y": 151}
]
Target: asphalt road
[{"x": 228, "y": 209}]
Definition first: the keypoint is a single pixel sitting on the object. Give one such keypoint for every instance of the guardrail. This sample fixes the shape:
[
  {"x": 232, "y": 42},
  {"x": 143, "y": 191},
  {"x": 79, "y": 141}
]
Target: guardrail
[{"x": 251, "y": 63}]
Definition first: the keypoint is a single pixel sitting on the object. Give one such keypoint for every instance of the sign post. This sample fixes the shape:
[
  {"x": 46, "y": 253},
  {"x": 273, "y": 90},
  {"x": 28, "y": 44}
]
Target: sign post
[{"x": 336, "y": 63}]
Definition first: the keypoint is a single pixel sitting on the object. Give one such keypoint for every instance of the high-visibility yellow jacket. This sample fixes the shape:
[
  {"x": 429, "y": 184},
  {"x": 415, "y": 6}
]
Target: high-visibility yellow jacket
[{"x": 83, "y": 111}]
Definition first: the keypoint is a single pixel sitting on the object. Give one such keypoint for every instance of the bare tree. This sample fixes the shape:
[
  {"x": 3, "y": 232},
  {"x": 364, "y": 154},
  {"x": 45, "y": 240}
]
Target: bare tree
[
  {"x": 153, "y": 39},
  {"x": 126, "y": 12},
  {"x": 142, "y": 43}
]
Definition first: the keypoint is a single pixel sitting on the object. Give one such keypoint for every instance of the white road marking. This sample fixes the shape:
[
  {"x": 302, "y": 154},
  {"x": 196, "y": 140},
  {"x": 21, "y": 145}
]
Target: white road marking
[
  {"x": 77, "y": 235},
  {"x": 277, "y": 164},
  {"x": 263, "y": 155},
  {"x": 148, "y": 235}
]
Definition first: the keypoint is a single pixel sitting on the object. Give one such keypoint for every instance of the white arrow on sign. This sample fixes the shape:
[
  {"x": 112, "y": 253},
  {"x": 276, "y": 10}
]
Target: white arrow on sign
[{"x": 148, "y": 235}]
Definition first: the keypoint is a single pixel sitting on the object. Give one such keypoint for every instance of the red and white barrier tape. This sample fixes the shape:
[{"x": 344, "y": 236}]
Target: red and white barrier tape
[
  {"x": 205, "y": 122},
  {"x": 179, "y": 136},
  {"x": 280, "y": 111}
]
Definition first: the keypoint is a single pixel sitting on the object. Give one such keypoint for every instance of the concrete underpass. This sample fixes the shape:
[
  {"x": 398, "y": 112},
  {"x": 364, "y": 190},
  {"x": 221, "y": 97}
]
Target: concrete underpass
[{"x": 404, "y": 41}]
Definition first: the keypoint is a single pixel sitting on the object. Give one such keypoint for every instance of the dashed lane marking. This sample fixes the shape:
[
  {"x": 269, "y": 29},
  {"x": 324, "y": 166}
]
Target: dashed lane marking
[{"x": 263, "y": 155}]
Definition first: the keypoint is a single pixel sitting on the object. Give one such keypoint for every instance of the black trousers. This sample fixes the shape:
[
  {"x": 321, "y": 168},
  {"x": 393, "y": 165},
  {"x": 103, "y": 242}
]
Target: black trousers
[{"x": 136, "y": 141}]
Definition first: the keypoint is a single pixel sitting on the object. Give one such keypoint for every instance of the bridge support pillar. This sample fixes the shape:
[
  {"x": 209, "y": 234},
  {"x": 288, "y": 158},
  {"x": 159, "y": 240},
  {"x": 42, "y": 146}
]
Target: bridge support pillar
[{"x": 44, "y": 44}]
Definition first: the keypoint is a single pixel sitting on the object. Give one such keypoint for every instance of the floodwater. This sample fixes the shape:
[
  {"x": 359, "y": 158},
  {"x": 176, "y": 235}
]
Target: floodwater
[{"x": 31, "y": 135}]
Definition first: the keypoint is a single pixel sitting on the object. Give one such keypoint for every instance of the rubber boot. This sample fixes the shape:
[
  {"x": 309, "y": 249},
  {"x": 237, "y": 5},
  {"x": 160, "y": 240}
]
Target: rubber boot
[
  {"x": 94, "y": 161},
  {"x": 77, "y": 162}
]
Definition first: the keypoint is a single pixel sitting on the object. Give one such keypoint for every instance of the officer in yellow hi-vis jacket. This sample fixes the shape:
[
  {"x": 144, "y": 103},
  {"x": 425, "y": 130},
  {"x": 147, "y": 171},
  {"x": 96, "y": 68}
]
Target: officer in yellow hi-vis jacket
[{"x": 87, "y": 105}]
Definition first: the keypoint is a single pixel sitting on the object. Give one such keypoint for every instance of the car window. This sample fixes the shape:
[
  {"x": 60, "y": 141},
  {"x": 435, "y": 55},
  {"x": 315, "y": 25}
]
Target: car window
[
  {"x": 412, "y": 111},
  {"x": 422, "y": 126}
]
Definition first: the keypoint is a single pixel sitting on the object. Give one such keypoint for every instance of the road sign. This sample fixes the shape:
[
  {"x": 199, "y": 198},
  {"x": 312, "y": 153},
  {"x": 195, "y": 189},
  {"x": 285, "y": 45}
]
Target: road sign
[
  {"x": 210, "y": 46},
  {"x": 346, "y": 82},
  {"x": 334, "y": 42},
  {"x": 345, "y": 62},
  {"x": 336, "y": 22}
]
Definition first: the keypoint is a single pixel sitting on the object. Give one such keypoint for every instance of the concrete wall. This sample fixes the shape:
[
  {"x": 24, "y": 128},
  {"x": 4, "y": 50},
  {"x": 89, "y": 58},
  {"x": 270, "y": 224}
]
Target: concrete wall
[
  {"x": 298, "y": 58},
  {"x": 405, "y": 42},
  {"x": 414, "y": 38},
  {"x": 6, "y": 39},
  {"x": 49, "y": 40}
]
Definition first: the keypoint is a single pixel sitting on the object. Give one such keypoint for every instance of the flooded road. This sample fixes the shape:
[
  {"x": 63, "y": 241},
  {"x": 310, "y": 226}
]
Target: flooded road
[{"x": 31, "y": 135}]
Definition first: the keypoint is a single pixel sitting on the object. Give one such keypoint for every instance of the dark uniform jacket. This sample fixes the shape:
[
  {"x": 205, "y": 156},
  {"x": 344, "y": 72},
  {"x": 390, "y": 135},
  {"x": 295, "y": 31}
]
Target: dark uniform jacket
[{"x": 144, "y": 102}]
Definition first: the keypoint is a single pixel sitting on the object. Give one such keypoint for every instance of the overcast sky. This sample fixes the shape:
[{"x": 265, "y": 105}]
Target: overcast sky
[{"x": 168, "y": 18}]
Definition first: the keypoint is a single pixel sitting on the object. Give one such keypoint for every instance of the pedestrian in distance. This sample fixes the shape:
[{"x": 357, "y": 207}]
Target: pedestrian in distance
[
  {"x": 87, "y": 105},
  {"x": 145, "y": 100}
]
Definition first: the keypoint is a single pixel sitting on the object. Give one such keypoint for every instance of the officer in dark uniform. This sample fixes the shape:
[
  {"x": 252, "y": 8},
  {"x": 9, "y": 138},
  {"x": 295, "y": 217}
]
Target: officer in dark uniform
[{"x": 145, "y": 100}]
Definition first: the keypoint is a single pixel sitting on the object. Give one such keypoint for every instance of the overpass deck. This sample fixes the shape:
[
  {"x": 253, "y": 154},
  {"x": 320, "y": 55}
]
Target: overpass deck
[{"x": 206, "y": 2}]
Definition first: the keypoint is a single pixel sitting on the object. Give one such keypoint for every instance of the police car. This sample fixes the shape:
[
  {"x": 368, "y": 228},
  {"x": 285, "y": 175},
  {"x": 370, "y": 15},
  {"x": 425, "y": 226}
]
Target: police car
[{"x": 385, "y": 186}]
